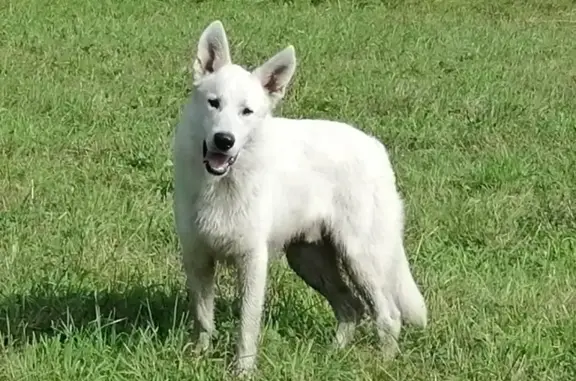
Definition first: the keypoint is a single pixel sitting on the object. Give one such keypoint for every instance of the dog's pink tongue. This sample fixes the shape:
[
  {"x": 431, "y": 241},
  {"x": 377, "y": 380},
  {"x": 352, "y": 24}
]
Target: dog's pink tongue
[{"x": 216, "y": 160}]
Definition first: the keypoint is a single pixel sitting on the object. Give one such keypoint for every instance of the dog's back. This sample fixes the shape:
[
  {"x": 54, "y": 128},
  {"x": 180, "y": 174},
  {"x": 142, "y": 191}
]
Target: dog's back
[{"x": 317, "y": 171}]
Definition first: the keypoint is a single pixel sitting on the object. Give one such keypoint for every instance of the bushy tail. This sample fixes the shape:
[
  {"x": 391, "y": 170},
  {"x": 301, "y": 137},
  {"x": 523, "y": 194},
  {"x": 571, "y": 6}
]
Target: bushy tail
[{"x": 410, "y": 300}]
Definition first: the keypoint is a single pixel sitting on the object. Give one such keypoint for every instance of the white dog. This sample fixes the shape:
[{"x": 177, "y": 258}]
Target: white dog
[{"x": 248, "y": 183}]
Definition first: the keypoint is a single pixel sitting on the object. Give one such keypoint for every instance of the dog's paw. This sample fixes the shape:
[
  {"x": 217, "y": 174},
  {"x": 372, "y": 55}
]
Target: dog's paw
[
  {"x": 390, "y": 349},
  {"x": 203, "y": 343},
  {"x": 242, "y": 373},
  {"x": 199, "y": 343},
  {"x": 344, "y": 335},
  {"x": 244, "y": 368}
]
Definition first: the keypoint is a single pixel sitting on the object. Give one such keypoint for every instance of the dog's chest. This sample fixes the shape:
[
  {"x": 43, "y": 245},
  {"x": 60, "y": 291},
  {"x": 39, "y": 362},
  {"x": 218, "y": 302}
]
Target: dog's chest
[{"x": 226, "y": 219}]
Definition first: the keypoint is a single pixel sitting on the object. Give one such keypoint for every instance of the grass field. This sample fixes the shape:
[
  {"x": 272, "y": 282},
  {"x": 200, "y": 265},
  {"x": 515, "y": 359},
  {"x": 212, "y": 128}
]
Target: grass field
[{"x": 475, "y": 100}]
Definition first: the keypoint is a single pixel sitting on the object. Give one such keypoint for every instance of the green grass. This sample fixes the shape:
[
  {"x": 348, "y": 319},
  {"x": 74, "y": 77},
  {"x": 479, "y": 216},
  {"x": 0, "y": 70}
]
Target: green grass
[{"x": 475, "y": 100}]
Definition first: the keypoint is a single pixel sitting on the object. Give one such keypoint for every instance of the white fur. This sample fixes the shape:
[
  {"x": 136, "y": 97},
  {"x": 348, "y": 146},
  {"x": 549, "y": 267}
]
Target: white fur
[{"x": 290, "y": 177}]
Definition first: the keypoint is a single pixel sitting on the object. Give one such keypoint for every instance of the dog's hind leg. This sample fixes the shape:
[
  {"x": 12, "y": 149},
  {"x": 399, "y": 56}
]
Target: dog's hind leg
[
  {"x": 200, "y": 268},
  {"x": 317, "y": 264},
  {"x": 370, "y": 274}
]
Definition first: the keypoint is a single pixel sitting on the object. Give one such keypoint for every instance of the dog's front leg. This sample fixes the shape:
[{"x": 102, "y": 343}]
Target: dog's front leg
[
  {"x": 199, "y": 267},
  {"x": 252, "y": 273}
]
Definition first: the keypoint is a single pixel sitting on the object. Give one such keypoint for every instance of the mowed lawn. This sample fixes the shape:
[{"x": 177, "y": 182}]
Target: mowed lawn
[{"x": 476, "y": 101}]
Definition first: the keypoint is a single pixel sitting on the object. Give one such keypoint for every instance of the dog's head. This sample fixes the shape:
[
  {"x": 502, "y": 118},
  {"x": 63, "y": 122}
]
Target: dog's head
[{"x": 231, "y": 102}]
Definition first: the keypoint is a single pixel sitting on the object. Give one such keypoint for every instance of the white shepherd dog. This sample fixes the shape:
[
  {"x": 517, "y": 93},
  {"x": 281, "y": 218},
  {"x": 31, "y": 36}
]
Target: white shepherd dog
[{"x": 248, "y": 184}]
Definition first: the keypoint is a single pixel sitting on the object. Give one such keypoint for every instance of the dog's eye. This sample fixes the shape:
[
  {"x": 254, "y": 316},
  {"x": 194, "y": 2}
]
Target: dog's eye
[
  {"x": 214, "y": 102},
  {"x": 247, "y": 111}
]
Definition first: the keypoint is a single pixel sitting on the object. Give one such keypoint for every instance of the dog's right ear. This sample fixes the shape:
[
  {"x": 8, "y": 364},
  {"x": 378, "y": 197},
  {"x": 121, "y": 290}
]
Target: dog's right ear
[{"x": 213, "y": 51}]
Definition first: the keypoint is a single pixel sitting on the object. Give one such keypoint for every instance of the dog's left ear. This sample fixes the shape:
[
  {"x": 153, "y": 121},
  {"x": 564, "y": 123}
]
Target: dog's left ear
[
  {"x": 276, "y": 73},
  {"x": 213, "y": 51}
]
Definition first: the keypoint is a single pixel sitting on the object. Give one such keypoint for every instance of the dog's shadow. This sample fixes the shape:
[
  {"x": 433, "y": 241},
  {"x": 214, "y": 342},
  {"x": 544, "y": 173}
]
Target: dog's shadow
[{"x": 44, "y": 312}]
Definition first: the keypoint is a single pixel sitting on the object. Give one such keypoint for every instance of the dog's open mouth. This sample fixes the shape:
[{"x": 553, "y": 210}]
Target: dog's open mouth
[{"x": 216, "y": 163}]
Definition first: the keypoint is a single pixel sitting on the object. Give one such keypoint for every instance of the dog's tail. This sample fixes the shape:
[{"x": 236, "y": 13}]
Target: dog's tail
[{"x": 410, "y": 300}]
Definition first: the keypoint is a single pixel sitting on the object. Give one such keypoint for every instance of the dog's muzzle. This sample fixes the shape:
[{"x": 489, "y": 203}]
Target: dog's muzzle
[{"x": 217, "y": 163}]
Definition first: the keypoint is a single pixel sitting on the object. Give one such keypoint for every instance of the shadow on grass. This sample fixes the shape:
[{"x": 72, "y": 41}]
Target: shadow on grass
[{"x": 45, "y": 312}]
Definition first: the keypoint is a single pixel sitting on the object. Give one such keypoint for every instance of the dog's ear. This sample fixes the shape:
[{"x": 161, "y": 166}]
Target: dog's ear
[
  {"x": 275, "y": 74},
  {"x": 213, "y": 51}
]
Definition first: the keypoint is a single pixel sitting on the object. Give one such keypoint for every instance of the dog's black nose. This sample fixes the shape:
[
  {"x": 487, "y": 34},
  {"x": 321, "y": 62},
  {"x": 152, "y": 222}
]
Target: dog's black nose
[{"x": 224, "y": 141}]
